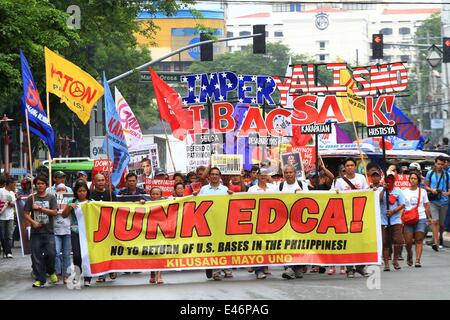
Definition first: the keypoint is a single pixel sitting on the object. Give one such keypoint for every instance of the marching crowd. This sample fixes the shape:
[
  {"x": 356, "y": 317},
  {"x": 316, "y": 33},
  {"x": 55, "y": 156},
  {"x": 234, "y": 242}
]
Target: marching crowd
[{"x": 55, "y": 240}]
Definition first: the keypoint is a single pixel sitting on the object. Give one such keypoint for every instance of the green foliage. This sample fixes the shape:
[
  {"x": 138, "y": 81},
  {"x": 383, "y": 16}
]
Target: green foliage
[{"x": 105, "y": 42}]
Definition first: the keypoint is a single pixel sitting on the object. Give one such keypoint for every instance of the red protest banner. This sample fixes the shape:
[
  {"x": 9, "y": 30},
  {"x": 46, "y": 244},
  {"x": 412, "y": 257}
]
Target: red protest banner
[
  {"x": 402, "y": 181},
  {"x": 166, "y": 186},
  {"x": 104, "y": 167},
  {"x": 308, "y": 156}
]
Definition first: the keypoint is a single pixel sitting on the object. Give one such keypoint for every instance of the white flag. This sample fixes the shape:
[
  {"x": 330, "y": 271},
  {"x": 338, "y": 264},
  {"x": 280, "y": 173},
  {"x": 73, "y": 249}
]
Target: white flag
[{"x": 130, "y": 125}]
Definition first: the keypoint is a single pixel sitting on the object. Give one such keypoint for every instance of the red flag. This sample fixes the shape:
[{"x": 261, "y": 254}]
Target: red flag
[
  {"x": 171, "y": 107},
  {"x": 298, "y": 139}
]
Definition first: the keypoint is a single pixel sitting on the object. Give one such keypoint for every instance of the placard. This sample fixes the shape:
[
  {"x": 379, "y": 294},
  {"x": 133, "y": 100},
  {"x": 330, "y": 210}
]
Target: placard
[{"x": 231, "y": 164}]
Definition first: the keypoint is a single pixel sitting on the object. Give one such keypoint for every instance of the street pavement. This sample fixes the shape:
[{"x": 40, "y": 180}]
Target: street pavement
[{"x": 429, "y": 282}]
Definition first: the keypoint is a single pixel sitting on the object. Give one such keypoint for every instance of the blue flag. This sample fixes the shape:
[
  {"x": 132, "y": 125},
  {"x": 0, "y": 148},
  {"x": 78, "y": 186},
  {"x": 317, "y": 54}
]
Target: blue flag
[
  {"x": 37, "y": 118},
  {"x": 118, "y": 150},
  {"x": 406, "y": 129}
]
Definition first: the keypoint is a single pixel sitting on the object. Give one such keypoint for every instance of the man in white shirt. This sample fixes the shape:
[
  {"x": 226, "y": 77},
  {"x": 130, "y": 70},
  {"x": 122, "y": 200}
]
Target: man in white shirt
[
  {"x": 215, "y": 187},
  {"x": 8, "y": 200},
  {"x": 262, "y": 187},
  {"x": 358, "y": 180},
  {"x": 352, "y": 181}
]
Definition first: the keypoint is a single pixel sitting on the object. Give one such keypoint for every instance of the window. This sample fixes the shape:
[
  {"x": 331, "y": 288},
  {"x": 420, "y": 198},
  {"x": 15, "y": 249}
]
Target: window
[
  {"x": 322, "y": 57},
  {"x": 387, "y": 58},
  {"x": 244, "y": 33},
  {"x": 322, "y": 45},
  {"x": 288, "y": 7},
  {"x": 405, "y": 58},
  {"x": 386, "y": 31},
  {"x": 267, "y": 34},
  {"x": 177, "y": 66},
  {"x": 328, "y": 5},
  {"x": 229, "y": 34},
  {"x": 358, "y": 6},
  {"x": 278, "y": 34},
  {"x": 404, "y": 30}
]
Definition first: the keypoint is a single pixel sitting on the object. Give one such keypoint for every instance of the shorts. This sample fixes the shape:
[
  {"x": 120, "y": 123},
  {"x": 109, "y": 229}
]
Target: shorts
[
  {"x": 396, "y": 235},
  {"x": 420, "y": 226},
  {"x": 438, "y": 212}
]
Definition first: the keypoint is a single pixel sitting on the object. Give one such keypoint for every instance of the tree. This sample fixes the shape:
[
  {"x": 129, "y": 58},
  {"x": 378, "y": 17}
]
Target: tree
[{"x": 105, "y": 42}]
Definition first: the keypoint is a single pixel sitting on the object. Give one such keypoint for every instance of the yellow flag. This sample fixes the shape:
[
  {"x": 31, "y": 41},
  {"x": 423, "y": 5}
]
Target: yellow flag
[
  {"x": 76, "y": 88},
  {"x": 352, "y": 106}
]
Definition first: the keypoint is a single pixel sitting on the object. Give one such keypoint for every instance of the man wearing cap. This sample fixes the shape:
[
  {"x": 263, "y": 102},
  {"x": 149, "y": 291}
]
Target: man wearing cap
[
  {"x": 25, "y": 187},
  {"x": 160, "y": 174},
  {"x": 391, "y": 216},
  {"x": 59, "y": 178},
  {"x": 262, "y": 187}
]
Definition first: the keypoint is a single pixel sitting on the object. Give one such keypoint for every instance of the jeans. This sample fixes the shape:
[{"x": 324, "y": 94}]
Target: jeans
[
  {"x": 63, "y": 248},
  {"x": 6, "y": 235},
  {"x": 43, "y": 255},
  {"x": 76, "y": 250}
]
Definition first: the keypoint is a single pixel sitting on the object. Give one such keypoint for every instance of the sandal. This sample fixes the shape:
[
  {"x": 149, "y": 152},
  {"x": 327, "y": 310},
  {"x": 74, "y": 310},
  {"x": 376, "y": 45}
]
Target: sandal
[
  {"x": 396, "y": 266},
  {"x": 418, "y": 265},
  {"x": 113, "y": 275},
  {"x": 386, "y": 268},
  {"x": 100, "y": 280}
]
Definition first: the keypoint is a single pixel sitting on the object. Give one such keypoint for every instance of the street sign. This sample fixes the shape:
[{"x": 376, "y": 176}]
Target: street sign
[{"x": 165, "y": 76}]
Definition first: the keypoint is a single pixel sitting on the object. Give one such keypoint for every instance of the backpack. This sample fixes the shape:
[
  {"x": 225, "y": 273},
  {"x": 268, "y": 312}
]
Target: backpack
[
  {"x": 280, "y": 187},
  {"x": 432, "y": 196}
]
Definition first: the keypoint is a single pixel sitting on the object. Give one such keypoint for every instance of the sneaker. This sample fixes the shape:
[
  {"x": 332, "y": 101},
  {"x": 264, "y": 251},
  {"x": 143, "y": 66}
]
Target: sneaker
[
  {"x": 209, "y": 273},
  {"x": 260, "y": 275},
  {"x": 288, "y": 274},
  {"x": 435, "y": 247},
  {"x": 228, "y": 273},
  {"x": 53, "y": 278},
  {"x": 9, "y": 256},
  {"x": 216, "y": 276},
  {"x": 322, "y": 269},
  {"x": 362, "y": 272},
  {"x": 298, "y": 273},
  {"x": 351, "y": 274},
  {"x": 440, "y": 247},
  {"x": 250, "y": 270},
  {"x": 38, "y": 284},
  {"x": 87, "y": 283},
  {"x": 266, "y": 270}
]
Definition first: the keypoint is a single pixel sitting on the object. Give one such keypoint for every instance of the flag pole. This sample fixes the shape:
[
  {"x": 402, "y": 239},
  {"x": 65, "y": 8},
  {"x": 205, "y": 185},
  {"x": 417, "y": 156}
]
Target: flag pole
[
  {"x": 29, "y": 152},
  {"x": 48, "y": 152},
  {"x": 168, "y": 145},
  {"x": 110, "y": 168}
]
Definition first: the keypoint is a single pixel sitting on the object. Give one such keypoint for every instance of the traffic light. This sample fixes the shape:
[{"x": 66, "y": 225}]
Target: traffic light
[
  {"x": 259, "y": 42},
  {"x": 446, "y": 49},
  {"x": 206, "y": 50},
  {"x": 377, "y": 46}
]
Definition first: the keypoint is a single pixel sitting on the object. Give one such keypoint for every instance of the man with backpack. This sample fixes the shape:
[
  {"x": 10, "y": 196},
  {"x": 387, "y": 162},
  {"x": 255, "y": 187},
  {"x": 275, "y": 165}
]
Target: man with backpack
[
  {"x": 352, "y": 181},
  {"x": 437, "y": 186}
]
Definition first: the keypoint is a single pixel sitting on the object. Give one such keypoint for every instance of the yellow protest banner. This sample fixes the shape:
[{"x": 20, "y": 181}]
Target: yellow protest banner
[
  {"x": 76, "y": 88},
  {"x": 218, "y": 231},
  {"x": 352, "y": 106}
]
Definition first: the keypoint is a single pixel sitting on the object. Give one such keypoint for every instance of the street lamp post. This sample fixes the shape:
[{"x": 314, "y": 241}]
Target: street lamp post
[{"x": 434, "y": 58}]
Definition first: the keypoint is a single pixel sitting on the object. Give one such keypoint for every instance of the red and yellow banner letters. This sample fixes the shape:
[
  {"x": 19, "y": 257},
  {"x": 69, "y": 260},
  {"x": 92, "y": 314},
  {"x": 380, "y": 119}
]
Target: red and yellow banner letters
[{"x": 320, "y": 228}]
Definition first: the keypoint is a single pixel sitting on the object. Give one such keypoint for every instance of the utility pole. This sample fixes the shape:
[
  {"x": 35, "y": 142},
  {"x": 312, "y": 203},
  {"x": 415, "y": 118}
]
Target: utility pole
[{"x": 445, "y": 32}]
